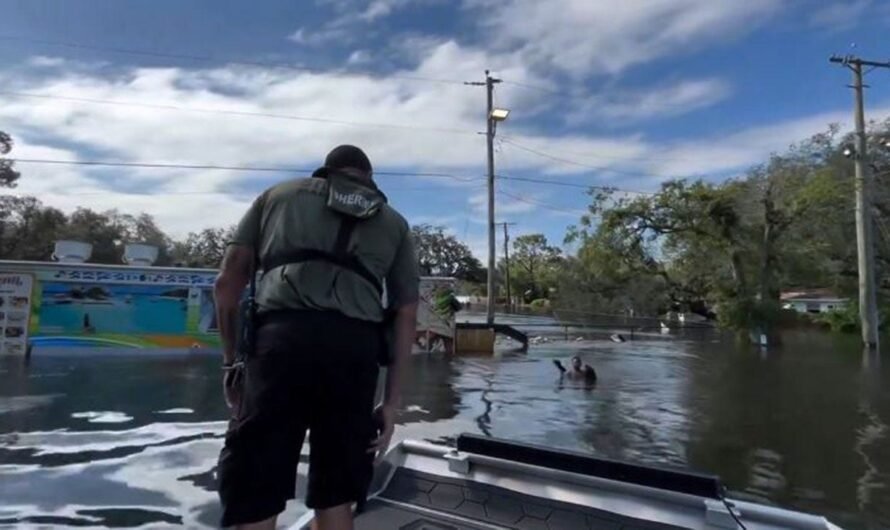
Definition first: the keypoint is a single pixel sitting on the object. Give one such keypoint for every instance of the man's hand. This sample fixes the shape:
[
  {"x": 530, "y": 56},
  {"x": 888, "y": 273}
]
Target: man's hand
[
  {"x": 233, "y": 386},
  {"x": 385, "y": 418}
]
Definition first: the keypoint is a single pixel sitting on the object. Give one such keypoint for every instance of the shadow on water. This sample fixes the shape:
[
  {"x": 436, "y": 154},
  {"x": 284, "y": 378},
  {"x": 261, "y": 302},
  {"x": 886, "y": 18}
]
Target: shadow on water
[{"x": 129, "y": 441}]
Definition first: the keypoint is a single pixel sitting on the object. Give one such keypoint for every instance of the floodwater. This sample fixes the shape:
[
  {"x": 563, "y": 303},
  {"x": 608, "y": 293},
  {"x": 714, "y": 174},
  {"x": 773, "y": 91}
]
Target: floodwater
[{"x": 93, "y": 441}]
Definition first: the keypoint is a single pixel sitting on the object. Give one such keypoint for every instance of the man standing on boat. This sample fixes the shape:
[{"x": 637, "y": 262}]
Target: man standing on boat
[{"x": 326, "y": 246}]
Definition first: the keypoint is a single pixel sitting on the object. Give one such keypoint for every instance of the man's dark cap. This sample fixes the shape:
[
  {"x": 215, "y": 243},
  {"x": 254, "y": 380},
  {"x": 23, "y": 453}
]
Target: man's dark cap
[{"x": 348, "y": 156}]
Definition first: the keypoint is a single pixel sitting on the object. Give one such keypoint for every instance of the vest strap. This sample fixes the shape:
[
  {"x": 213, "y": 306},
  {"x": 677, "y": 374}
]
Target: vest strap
[{"x": 340, "y": 256}]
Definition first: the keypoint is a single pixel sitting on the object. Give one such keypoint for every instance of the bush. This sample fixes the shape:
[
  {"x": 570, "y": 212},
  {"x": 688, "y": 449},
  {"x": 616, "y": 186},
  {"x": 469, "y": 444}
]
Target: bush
[
  {"x": 540, "y": 303},
  {"x": 841, "y": 320}
]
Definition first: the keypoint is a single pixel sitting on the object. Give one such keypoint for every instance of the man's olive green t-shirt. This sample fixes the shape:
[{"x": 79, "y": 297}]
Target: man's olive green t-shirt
[{"x": 294, "y": 215}]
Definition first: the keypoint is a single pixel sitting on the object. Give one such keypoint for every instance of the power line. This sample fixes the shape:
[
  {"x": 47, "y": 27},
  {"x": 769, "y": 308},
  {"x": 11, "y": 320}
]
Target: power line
[
  {"x": 536, "y": 88},
  {"x": 202, "y": 58},
  {"x": 215, "y": 167},
  {"x": 548, "y": 156},
  {"x": 574, "y": 185},
  {"x": 633, "y": 158},
  {"x": 542, "y": 154},
  {"x": 164, "y": 106},
  {"x": 209, "y": 192},
  {"x": 534, "y": 202}
]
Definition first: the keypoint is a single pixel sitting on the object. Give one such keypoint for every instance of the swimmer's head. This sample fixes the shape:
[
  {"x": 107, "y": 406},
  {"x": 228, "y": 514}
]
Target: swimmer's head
[{"x": 576, "y": 362}]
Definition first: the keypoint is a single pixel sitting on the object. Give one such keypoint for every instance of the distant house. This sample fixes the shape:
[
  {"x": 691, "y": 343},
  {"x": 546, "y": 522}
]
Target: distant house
[{"x": 812, "y": 301}]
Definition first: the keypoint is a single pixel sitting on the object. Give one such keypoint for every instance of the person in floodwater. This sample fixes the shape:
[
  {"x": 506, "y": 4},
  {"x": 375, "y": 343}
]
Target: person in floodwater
[
  {"x": 325, "y": 246},
  {"x": 579, "y": 370}
]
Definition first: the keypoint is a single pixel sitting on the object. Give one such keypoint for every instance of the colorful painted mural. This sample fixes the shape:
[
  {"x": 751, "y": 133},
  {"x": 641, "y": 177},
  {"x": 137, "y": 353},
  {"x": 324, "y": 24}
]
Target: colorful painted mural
[
  {"x": 94, "y": 306},
  {"x": 53, "y": 306}
]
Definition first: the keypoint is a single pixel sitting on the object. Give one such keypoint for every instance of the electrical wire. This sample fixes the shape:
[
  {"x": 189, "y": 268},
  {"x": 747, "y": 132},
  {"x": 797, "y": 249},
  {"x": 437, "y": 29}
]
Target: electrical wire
[
  {"x": 534, "y": 202},
  {"x": 214, "y": 167},
  {"x": 303, "y": 171},
  {"x": 209, "y": 192},
  {"x": 536, "y": 88},
  {"x": 548, "y": 156},
  {"x": 580, "y": 164},
  {"x": 163, "y": 106},
  {"x": 573, "y": 185},
  {"x": 633, "y": 158}
]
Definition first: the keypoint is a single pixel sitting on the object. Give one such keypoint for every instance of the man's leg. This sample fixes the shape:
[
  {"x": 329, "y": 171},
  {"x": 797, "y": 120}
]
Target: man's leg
[
  {"x": 258, "y": 464},
  {"x": 336, "y": 518},
  {"x": 342, "y": 426},
  {"x": 266, "y": 524}
]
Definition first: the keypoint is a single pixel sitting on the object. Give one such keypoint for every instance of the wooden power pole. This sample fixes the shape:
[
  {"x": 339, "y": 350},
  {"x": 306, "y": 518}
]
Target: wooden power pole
[
  {"x": 507, "y": 263},
  {"x": 868, "y": 300},
  {"x": 491, "y": 122}
]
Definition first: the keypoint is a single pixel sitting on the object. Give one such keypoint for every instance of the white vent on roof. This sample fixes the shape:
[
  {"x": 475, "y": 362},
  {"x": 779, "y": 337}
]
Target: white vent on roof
[
  {"x": 137, "y": 255},
  {"x": 72, "y": 251}
]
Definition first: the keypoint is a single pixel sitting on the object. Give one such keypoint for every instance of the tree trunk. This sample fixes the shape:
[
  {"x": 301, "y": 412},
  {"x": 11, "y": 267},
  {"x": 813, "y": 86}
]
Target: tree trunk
[{"x": 769, "y": 295}]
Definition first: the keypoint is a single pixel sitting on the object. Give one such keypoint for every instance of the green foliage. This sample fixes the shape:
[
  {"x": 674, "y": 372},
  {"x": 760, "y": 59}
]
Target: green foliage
[
  {"x": 8, "y": 175},
  {"x": 441, "y": 254},
  {"x": 540, "y": 303},
  {"x": 535, "y": 266},
  {"x": 841, "y": 320},
  {"x": 204, "y": 249},
  {"x": 29, "y": 230},
  {"x": 731, "y": 247}
]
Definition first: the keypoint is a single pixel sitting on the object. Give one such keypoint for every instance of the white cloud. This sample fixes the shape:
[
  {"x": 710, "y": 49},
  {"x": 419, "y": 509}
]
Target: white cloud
[
  {"x": 371, "y": 10},
  {"x": 505, "y": 205},
  {"x": 378, "y": 9},
  {"x": 132, "y": 133},
  {"x": 325, "y": 35},
  {"x": 43, "y": 61},
  {"x": 584, "y": 36},
  {"x": 383, "y": 8},
  {"x": 350, "y": 19},
  {"x": 840, "y": 16},
  {"x": 671, "y": 100},
  {"x": 746, "y": 148},
  {"x": 359, "y": 57},
  {"x": 60, "y": 129}
]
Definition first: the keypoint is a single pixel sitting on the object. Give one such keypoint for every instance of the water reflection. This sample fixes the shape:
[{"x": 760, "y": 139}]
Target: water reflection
[{"x": 805, "y": 427}]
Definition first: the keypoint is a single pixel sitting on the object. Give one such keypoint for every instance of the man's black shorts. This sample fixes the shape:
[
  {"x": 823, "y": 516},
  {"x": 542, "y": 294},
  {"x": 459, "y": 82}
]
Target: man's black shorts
[{"x": 311, "y": 370}]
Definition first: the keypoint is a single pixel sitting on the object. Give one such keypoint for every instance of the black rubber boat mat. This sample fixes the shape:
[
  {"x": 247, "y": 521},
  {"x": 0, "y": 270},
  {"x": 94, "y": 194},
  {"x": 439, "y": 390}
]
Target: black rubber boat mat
[{"x": 419, "y": 501}]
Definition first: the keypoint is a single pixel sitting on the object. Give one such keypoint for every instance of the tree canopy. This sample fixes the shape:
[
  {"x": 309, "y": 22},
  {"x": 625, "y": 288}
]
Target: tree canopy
[
  {"x": 534, "y": 267},
  {"x": 8, "y": 174},
  {"x": 733, "y": 246},
  {"x": 441, "y": 254}
]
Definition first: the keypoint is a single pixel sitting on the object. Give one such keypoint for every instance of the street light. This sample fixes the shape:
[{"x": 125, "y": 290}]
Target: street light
[
  {"x": 495, "y": 116},
  {"x": 501, "y": 115},
  {"x": 849, "y": 151}
]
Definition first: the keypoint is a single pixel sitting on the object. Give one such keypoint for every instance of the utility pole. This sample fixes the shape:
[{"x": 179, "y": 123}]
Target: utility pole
[
  {"x": 491, "y": 125},
  {"x": 507, "y": 263},
  {"x": 868, "y": 302}
]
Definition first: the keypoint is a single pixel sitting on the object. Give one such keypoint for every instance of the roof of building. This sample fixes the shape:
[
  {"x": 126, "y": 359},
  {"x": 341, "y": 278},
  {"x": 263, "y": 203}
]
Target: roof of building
[{"x": 800, "y": 295}]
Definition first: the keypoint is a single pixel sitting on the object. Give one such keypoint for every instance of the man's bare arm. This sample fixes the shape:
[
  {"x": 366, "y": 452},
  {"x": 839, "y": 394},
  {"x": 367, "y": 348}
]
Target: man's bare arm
[
  {"x": 233, "y": 277},
  {"x": 405, "y": 333}
]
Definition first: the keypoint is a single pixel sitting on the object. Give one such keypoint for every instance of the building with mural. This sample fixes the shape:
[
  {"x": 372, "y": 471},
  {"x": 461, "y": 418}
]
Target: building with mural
[{"x": 69, "y": 306}]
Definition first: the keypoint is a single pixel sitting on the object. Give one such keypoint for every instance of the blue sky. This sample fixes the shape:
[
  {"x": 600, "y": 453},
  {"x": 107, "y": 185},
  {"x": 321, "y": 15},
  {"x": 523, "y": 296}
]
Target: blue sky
[{"x": 624, "y": 94}]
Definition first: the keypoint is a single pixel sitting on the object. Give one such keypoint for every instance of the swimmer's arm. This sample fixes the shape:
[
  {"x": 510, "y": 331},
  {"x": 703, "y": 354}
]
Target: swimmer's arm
[
  {"x": 233, "y": 276},
  {"x": 405, "y": 333}
]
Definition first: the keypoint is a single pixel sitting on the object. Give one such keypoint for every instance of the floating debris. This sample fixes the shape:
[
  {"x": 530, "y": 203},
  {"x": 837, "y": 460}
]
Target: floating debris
[{"x": 103, "y": 417}]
